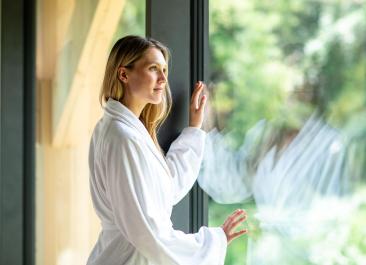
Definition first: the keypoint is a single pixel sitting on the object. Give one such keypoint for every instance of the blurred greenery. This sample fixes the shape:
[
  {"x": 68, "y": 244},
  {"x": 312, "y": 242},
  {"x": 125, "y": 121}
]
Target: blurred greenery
[
  {"x": 261, "y": 51},
  {"x": 132, "y": 20}
]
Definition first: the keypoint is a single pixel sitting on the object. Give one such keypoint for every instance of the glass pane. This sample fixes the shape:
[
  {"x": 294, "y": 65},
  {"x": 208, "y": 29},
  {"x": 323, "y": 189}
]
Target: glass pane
[
  {"x": 74, "y": 38},
  {"x": 287, "y": 129}
]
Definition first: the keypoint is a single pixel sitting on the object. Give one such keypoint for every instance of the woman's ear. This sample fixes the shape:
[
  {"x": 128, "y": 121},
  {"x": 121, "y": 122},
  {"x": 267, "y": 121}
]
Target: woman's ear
[{"x": 122, "y": 74}]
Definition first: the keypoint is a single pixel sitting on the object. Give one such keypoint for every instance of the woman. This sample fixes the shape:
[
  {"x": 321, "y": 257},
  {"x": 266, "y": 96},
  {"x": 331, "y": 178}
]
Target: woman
[{"x": 133, "y": 185}]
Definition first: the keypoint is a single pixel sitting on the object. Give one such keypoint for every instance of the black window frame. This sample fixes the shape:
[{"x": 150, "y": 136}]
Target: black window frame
[
  {"x": 183, "y": 27},
  {"x": 17, "y": 132}
]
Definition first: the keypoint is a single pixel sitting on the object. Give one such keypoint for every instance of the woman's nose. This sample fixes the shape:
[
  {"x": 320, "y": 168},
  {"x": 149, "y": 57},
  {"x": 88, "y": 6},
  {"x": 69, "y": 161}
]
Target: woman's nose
[{"x": 162, "y": 77}]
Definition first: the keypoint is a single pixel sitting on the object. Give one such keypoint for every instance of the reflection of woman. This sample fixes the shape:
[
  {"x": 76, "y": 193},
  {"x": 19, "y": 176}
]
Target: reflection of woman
[
  {"x": 288, "y": 166},
  {"x": 133, "y": 186}
]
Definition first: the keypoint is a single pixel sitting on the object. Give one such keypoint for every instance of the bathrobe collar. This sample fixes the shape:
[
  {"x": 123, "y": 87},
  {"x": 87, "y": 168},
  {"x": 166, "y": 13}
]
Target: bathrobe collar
[{"x": 118, "y": 111}]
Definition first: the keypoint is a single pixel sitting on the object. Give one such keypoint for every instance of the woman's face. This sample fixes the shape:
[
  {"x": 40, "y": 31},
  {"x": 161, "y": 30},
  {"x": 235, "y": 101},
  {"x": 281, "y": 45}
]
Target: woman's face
[{"x": 146, "y": 81}]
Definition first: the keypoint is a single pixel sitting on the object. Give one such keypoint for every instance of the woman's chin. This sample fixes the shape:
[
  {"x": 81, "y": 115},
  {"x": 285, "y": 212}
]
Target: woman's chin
[{"x": 156, "y": 100}]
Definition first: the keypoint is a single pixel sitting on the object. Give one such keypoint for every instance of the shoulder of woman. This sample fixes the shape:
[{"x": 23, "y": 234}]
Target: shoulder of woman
[{"x": 121, "y": 133}]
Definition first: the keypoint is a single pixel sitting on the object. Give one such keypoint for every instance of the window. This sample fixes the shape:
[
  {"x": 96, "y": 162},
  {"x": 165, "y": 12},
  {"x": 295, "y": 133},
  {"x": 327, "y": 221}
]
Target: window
[{"x": 287, "y": 121}]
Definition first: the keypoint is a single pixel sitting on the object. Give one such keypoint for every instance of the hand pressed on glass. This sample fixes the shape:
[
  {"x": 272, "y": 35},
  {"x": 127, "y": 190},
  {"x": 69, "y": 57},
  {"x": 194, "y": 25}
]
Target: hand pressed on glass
[
  {"x": 197, "y": 106},
  {"x": 232, "y": 222}
]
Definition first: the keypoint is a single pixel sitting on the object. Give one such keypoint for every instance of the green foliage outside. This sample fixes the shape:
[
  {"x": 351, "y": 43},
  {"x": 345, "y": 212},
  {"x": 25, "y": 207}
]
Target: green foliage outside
[
  {"x": 132, "y": 21},
  {"x": 260, "y": 51}
]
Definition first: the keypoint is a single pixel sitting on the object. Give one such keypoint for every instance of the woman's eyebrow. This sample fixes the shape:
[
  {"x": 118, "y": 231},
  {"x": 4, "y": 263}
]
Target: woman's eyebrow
[{"x": 155, "y": 62}]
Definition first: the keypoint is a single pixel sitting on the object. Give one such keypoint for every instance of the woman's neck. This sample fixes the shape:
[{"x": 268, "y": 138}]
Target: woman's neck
[{"x": 134, "y": 107}]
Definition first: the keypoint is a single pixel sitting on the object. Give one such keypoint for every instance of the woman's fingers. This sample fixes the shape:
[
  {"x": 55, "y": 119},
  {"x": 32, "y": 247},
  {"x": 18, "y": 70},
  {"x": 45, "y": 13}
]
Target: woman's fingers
[
  {"x": 237, "y": 234},
  {"x": 232, "y": 222},
  {"x": 233, "y": 216},
  {"x": 237, "y": 222},
  {"x": 196, "y": 94},
  {"x": 202, "y": 103},
  {"x": 236, "y": 214},
  {"x": 196, "y": 115}
]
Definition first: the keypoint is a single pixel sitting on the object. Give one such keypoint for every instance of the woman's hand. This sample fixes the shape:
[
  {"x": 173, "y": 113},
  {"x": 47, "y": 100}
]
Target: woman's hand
[
  {"x": 232, "y": 222},
  {"x": 197, "y": 107}
]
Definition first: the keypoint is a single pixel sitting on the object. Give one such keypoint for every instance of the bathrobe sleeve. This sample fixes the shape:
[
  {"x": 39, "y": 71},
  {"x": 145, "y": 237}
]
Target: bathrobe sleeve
[
  {"x": 184, "y": 160},
  {"x": 141, "y": 219}
]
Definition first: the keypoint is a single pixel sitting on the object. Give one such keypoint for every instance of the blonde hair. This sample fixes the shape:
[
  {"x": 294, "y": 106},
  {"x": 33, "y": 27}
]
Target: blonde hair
[{"x": 125, "y": 52}]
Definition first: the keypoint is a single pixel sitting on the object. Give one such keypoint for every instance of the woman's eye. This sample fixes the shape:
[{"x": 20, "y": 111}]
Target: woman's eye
[{"x": 154, "y": 68}]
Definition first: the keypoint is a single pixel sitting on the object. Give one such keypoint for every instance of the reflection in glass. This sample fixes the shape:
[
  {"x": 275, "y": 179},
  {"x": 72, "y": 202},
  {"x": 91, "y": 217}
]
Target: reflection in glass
[{"x": 287, "y": 128}]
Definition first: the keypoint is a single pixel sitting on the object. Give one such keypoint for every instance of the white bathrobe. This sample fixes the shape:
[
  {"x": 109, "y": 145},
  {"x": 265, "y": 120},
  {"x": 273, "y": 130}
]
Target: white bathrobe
[{"x": 134, "y": 188}]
